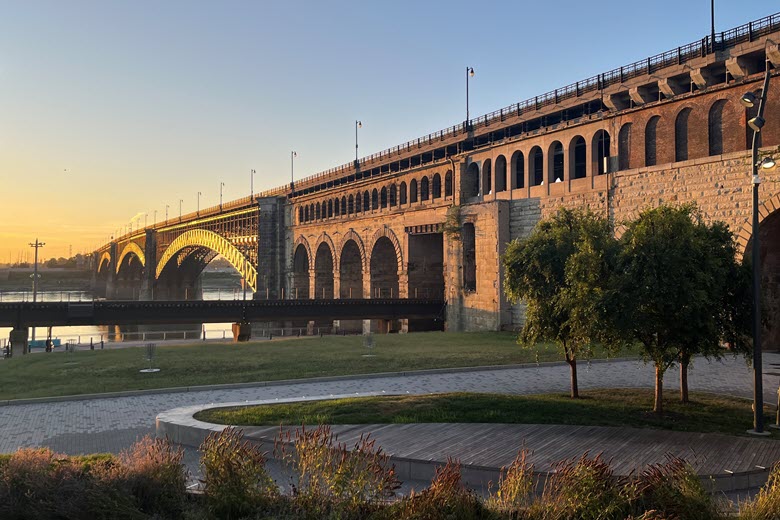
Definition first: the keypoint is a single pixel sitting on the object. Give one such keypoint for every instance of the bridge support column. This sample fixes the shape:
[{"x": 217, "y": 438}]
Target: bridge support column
[
  {"x": 18, "y": 341},
  {"x": 242, "y": 331},
  {"x": 366, "y": 294},
  {"x": 148, "y": 280},
  {"x": 270, "y": 246},
  {"x": 336, "y": 295},
  {"x": 111, "y": 286},
  {"x": 403, "y": 292}
]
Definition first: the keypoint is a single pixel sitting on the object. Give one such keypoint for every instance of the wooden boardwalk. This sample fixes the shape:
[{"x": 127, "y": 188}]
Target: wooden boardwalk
[{"x": 491, "y": 446}]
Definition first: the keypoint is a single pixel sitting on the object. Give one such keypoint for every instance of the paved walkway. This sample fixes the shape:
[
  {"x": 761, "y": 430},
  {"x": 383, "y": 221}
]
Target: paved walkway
[{"x": 112, "y": 424}]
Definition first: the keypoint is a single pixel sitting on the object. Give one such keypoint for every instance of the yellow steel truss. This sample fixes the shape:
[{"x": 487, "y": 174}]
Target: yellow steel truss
[{"x": 134, "y": 248}]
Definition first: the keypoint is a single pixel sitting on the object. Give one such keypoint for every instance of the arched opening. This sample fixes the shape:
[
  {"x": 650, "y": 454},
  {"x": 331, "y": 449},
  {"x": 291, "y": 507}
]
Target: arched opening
[
  {"x": 351, "y": 271},
  {"x": 312, "y": 216},
  {"x": 402, "y": 194},
  {"x": 323, "y": 272},
  {"x": 384, "y": 269},
  {"x": 681, "y": 135},
  {"x": 624, "y": 147},
  {"x": 487, "y": 178},
  {"x": 425, "y": 192},
  {"x": 383, "y": 198},
  {"x": 317, "y": 211},
  {"x": 555, "y": 156},
  {"x": 351, "y": 205},
  {"x": 300, "y": 215},
  {"x": 330, "y": 208},
  {"x": 471, "y": 181},
  {"x": 366, "y": 201},
  {"x": 358, "y": 203},
  {"x": 374, "y": 199},
  {"x": 469, "y": 237},
  {"x": 336, "y": 207},
  {"x": 518, "y": 170},
  {"x": 537, "y": 166},
  {"x": 651, "y": 134},
  {"x": 448, "y": 184},
  {"x": 306, "y": 213},
  {"x": 601, "y": 152},
  {"x": 715, "y": 125},
  {"x": 413, "y": 191},
  {"x": 500, "y": 173},
  {"x": 393, "y": 195},
  {"x": 343, "y": 205},
  {"x": 578, "y": 162},
  {"x": 436, "y": 186},
  {"x": 300, "y": 288}
]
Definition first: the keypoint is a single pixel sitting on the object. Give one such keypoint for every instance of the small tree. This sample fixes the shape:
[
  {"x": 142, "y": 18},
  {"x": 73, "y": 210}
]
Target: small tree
[
  {"x": 561, "y": 271},
  {"x": 671, "y": 292}
]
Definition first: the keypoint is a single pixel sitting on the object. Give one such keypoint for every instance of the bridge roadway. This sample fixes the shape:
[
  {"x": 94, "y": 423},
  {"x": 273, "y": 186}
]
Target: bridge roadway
[{"x": 26, "y": 314}]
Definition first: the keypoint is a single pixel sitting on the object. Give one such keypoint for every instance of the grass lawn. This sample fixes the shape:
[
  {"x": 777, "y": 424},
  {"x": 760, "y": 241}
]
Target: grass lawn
[
  {"x": 609, "y": 407},
  {"x": 55, "y": 374}
]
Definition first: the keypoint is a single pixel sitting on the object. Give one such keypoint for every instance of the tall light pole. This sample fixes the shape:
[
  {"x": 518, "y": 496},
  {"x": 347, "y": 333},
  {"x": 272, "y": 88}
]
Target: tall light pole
[
  {"x": 166, "y": 213},
  {"x": 293, "y": 155},
  {"x": 712, "y": 25},
  {"x": 358, "y": 124},
  {"x": 146, "y": 220},
  {"x": 37, "y": 245},
  {"x": 221, "y": 185},
  {"x": 197, "y": 210},
  {"x": 155, "y": 217},
  {"x": 749, "y": 100},
  {"x": 469, "y": 74},
  {"x": 251, "y": 184},
  {"x": 180, "y": 201}
]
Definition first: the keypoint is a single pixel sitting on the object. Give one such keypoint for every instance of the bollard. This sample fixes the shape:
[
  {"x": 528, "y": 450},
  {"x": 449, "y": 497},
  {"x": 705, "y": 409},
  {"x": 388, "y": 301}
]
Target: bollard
[
  {"x": 91, "y": 344},
  {"x": 101, "y": 344}
]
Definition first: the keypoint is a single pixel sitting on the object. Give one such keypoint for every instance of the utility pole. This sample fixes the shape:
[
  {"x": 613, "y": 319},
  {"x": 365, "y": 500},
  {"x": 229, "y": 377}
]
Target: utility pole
[{"x": 37, "y": 245}]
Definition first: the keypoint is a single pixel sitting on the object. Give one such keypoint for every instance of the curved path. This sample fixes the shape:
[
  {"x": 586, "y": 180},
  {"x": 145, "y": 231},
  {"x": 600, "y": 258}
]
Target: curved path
[{"x": 112, "y": 424}]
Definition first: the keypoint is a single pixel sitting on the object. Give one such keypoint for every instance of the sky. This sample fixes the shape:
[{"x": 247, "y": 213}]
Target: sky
[{"x": 110, "y": 110}]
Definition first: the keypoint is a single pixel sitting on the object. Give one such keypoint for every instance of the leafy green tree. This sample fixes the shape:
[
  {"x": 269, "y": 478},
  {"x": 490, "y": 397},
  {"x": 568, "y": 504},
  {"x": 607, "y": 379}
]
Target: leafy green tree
[
  {"x": 561, "y": 271},
  {"x": 672, "y": 290}
]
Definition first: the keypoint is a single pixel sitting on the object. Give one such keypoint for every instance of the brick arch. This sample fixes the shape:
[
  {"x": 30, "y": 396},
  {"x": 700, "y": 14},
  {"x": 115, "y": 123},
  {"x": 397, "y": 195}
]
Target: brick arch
[
  {"x": 301, "y": 241},
  {"x": 385, "y": 231},
  {"x": 105, "y": 259},
  {"x": 131, "y": 249},
  {"x": 746, "y": 230},
  {"x": 351, "y": 235},
  {"x": 324, "y": 237}
]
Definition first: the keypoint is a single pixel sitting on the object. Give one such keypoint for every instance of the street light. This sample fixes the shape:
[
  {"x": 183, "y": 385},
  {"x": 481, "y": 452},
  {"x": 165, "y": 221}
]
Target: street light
[
  {"x": 749, "y": 100},
  {"x": 469, "y": 74},
  {"x": 251, "y": 184},
  {"x": 180, "y": 201},
  {"x": 293, "y": 155},
  {"x": 166, "y": 213},
  {"x": 198, "y": 206},
  {"x": 358, "y": 124},
  {"x": 155, "y": 217},
  {"x": 221, "y": 185},
  {"x": 37, "y": 245}
]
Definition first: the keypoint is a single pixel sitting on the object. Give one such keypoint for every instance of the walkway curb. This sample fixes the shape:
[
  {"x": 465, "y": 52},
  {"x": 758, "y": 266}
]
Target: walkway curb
[
  {"x": 282, "y": 382},
  {"x": 180, "y": 427}
]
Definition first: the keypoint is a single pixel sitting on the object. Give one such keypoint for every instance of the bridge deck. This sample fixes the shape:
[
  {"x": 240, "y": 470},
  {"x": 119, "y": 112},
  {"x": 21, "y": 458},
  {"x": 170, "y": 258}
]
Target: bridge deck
[{"x": 214, "y": 311}]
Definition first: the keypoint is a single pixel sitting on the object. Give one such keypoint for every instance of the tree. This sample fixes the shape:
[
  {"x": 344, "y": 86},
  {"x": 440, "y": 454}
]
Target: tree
[
  {"x": 561, "y": 271},
  {"x": 672, "y": 291}
]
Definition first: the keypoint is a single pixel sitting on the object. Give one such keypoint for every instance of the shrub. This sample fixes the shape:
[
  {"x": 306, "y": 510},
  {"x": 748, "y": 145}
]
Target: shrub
[
  {"x": 445, "y": 498},
  {"x": 152, "y": 472},
  {"x": 583, "y": 488},
  {"x": 673, "y": 488},
  {"x": 329, "y": 479},
  {"x": 515, "y": 486},
  {"x": 766, "y": 504},
  {"x": 235, "y": 481}
]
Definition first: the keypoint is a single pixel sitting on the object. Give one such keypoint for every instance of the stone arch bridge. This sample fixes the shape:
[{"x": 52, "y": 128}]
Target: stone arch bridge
[{"x": 430, "y": 218}]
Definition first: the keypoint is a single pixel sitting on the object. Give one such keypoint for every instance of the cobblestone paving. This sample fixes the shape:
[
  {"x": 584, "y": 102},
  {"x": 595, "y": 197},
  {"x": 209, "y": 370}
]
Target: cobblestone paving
[{"x": 112, "y": 424}]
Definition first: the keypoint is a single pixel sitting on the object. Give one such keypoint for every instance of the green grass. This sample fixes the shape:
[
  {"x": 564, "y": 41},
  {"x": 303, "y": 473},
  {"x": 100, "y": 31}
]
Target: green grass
[
  {"x": 609, "y": 407},
  {"x": 57, "y": 374}
]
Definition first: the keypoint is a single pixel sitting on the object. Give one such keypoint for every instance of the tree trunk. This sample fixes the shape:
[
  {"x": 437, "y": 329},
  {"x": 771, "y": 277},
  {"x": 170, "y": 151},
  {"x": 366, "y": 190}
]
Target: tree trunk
[
  {"x": 658, "y": 406},
  {"x": 683, "y": 381},
  {"x": 575, "y": 391}
]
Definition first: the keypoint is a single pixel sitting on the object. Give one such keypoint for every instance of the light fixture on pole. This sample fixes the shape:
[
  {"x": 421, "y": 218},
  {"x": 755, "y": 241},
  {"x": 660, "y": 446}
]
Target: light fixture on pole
[
  {"x": 293, "y": 155},
  {"x": 251, "y": 184},
  {"x": 166, "y": 213},
  {"x": 37, "y": 245},
  {"x": 221, "y": 185},
  {"x": 155, "y": 217},
  {"x": 756, "y": 123},
  {"x": 180, "y": 201},
  {"x": 197, "y": 211},
  {"x": 469, "y": 74},
  {"x": 358, "y": 124},
  {"x": 146, "y": 220}
]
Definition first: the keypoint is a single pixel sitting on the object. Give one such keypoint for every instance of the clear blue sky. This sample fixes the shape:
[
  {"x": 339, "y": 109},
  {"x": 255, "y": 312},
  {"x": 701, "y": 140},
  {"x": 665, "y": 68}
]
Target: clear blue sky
[{"x": 145, "y": 103}]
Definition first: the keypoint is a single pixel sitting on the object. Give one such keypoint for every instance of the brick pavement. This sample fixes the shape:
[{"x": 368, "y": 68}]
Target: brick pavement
[{"x": 112, "y": 424}]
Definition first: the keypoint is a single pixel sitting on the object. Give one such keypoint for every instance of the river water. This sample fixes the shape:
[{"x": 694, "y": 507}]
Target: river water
[{"x": 97, "y": 333}]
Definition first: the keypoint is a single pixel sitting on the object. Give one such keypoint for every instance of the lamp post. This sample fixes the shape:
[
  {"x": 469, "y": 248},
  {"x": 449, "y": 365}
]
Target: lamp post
[
  {"x": 37, "y": 245},
  {"x": 469, "y": 74},
  {"x": 358, "y": 124},
  {"x": 197, "y": 211},
  {"x": 251, "y": 184},
  {"x": 221, "y": 185},
  {"x": 293, "y": 155},
  {"x": 155, "y": 217},
  {"x": 749, "y": 100},
  {"x": 166, "y": 213},
  {"x": 180, "y": 201}
]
